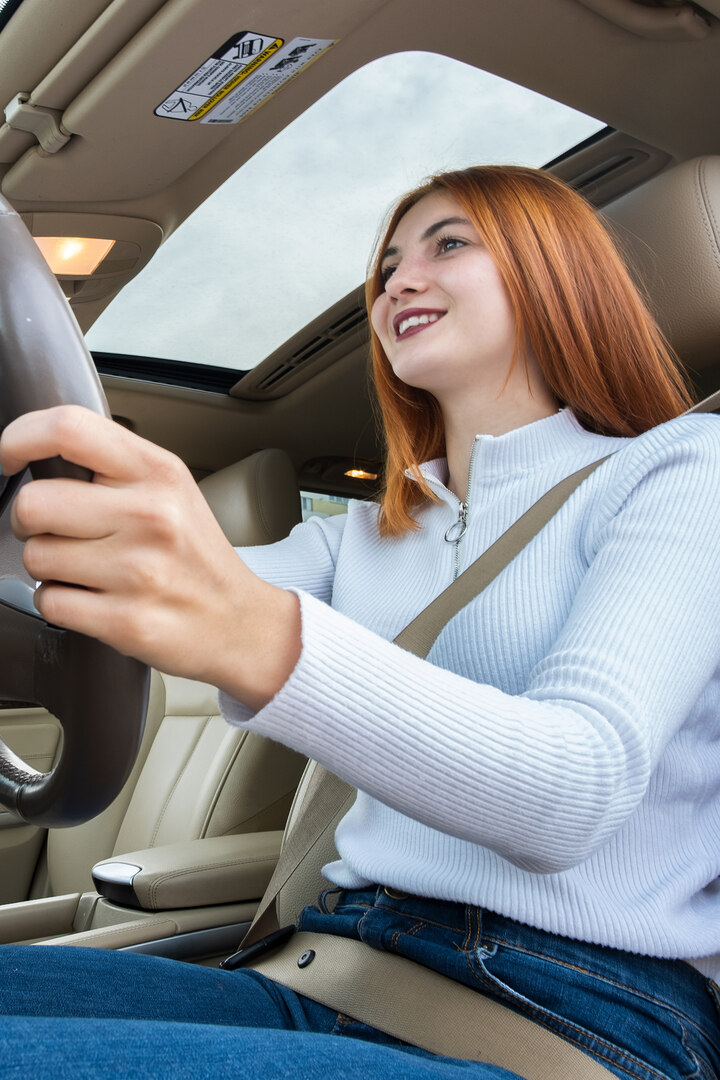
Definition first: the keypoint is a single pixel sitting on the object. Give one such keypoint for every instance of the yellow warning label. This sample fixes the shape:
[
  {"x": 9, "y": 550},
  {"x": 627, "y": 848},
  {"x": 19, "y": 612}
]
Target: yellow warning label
[
  {"x": 253, "y": 65},
  {"x": 221, "y": 90}
]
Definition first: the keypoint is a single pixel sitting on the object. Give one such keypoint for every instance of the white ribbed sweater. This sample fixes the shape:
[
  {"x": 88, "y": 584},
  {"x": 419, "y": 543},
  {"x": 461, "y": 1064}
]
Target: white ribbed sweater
[{"x": 557, "y": 757}]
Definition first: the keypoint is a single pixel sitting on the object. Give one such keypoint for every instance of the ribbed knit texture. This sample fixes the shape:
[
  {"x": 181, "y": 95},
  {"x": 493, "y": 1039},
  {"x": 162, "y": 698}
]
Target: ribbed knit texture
[{"x": 557, "y": 757}]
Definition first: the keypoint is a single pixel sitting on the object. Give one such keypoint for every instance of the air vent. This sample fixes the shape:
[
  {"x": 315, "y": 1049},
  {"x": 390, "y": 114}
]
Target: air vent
[
  {"x": 659, "y": 20},
  {"x": 331, "y": 337},
  {"x": 607, "y": 167}
]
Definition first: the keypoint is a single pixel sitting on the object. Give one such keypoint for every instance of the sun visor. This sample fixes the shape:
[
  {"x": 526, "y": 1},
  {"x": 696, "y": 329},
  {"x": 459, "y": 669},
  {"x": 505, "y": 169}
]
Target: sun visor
[
  {"x": 183, "y": 83},
  {"x": 64, "y": 23}
]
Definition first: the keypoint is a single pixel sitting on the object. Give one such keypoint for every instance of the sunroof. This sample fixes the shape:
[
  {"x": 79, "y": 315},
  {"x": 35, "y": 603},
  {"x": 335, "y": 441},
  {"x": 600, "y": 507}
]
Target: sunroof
[{"x": 289, "y": 233}]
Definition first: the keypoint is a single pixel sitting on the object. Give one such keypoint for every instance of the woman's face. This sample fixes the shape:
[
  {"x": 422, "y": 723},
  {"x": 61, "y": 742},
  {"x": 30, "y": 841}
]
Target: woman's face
[{"x": 445, "y": 319}]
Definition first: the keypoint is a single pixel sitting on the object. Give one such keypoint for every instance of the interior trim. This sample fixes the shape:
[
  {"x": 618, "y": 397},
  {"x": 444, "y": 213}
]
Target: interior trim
[{"x": 219, "y": 941}]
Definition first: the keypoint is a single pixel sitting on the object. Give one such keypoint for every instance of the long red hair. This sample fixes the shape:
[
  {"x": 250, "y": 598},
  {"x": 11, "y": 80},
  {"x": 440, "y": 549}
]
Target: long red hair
[{"x": 576, "y": 307}]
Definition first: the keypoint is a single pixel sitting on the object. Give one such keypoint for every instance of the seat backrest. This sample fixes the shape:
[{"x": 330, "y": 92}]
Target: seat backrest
[
  {"x": 669, "y": 229},
  {"x": 195, "y": 775}
]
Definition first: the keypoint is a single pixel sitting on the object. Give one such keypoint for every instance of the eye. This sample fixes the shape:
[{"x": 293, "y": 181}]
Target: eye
[
  {"x": 386, "y": 273},
  {"x": 448, "y": 243}
]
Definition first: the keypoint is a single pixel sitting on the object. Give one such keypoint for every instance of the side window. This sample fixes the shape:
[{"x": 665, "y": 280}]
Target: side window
[{"x": 316, "y": 505}]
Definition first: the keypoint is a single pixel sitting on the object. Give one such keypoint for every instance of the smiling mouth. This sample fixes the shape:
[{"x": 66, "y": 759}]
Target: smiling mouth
[{"x": 407, "y": 324}]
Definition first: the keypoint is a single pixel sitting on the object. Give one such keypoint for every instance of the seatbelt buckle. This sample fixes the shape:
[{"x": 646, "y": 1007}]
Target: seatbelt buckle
[{"x": 258, "y": 948}]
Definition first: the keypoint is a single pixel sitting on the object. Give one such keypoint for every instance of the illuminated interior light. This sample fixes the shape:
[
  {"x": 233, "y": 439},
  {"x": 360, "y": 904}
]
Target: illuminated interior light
[
  {"x": 361, "y": 474},
  {"x": 70, "y": 256}
]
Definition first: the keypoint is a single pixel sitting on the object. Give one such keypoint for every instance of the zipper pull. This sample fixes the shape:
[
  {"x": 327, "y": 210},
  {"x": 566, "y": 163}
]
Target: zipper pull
[{"x": 458, "y": 528}]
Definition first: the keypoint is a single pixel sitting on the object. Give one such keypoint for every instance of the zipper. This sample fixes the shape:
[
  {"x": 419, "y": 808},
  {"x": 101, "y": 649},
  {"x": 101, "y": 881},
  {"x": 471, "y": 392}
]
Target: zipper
[{"x": 457, "y": 530}]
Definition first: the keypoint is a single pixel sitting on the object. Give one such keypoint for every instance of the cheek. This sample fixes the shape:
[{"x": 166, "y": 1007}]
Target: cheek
[
  {"x": 379, "y": 317},
  {"x": 490, "y": 302}
]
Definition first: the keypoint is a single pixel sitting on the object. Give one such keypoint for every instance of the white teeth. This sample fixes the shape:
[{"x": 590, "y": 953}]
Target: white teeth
[{"x": 415, "y": 320}]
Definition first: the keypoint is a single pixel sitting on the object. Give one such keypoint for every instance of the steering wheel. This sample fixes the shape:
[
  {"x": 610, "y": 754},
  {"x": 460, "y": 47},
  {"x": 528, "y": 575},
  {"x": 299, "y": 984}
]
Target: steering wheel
[{"x": 98, "y": 695}]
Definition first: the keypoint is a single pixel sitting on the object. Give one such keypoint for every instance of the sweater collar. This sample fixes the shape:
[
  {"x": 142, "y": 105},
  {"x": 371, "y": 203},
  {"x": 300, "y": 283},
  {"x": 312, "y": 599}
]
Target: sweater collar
[{"x": 522, "y": 449}]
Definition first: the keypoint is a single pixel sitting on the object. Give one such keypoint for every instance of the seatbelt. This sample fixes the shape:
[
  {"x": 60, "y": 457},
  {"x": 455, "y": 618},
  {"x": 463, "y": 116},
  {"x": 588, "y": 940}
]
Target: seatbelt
[
  {"x": 327, "y": 794},
  {"x": 424, "y": 1008},
  {"x": 420, "y": 635}
]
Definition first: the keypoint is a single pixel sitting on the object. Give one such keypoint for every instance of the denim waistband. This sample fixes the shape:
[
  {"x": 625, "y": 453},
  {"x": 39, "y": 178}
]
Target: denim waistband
[{"x": 569, "y": 986}]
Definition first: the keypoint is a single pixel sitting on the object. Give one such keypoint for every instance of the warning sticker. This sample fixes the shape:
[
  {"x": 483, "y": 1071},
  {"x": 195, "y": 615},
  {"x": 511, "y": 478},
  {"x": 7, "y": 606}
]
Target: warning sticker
[{"x": 240, "y": 76}]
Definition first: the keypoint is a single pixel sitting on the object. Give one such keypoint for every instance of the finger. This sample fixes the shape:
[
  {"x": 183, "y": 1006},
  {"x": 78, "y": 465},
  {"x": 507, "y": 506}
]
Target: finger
[
  {"x": 67, "y": 508},
  {"x": 122, "y": 626},
  {"x": 81, "y": 610},
  {"x": 91, "y": 564},
  {"x": 80, "y": 436}
]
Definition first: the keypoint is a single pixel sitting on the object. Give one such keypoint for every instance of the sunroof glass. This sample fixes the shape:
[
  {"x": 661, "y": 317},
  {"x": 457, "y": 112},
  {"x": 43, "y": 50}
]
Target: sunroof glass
[{"x": 290, "y": 232}]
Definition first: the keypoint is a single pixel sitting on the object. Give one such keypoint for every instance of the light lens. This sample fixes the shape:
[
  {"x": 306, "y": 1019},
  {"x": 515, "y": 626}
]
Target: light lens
[
  {"x": 73, "y": 256},
  {"x": 361, "y": 474}
]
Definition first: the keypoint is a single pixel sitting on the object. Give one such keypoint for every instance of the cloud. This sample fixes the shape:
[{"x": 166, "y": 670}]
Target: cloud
[{"x": 290, "y": 232}]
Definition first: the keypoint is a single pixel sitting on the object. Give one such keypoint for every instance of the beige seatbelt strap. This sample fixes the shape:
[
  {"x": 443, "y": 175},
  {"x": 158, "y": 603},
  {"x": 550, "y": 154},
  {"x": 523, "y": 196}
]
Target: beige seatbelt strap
[
  {"x": 420, "y": 635},
  {"x": 423, "y": 1008},
  {"x": 327, "y": 794},
  {"x": 709, "y": 404}
]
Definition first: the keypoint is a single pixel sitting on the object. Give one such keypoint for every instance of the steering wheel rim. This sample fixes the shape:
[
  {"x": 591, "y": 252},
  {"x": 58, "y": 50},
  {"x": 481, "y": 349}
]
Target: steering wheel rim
[{"x": 98, "y": 695}]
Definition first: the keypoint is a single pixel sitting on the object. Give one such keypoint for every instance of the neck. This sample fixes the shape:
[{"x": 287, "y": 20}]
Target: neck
[{"x": 464, "y": 423}]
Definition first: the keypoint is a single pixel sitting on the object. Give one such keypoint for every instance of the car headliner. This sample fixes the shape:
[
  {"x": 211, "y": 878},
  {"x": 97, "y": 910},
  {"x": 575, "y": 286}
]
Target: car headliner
[{"x": 104, "y": 66}]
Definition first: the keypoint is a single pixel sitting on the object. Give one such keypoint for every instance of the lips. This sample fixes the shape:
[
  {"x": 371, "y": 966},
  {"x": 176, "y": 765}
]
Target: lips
[{"x": 414, "y": 320}]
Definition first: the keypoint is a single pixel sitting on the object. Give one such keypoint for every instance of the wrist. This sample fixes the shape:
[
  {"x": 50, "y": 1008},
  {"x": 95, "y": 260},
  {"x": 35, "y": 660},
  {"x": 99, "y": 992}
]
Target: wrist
[{"x": 262, "y": 647}]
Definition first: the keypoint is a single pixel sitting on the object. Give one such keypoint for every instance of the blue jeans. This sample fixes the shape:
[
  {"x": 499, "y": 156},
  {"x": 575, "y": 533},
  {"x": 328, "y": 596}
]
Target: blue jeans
[
  {"x": 643, "y": 1018},
  {"x": 77, "y": 1013}
]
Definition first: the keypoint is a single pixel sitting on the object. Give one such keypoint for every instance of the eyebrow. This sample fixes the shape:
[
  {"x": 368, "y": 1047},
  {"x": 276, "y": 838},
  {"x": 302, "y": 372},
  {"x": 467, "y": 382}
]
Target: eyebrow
[{"x": 429, "y": 232}]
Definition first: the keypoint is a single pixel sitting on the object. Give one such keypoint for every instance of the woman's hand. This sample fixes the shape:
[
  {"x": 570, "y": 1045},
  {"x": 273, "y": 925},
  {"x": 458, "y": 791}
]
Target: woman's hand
[{"x": 137, "y": 559}]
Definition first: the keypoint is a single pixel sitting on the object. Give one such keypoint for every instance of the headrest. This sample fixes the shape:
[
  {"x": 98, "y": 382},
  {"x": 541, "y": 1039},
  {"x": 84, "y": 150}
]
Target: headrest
[
  {"x": 256, "y": 500},
  {"x": 669, "y": 229}
]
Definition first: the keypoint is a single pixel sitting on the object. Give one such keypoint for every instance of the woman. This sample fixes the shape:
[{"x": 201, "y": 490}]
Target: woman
[{"x": 538, "y": 808}]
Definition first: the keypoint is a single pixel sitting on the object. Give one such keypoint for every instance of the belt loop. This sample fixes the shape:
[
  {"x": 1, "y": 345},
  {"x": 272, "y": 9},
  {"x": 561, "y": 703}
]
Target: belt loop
[{"x": 329, "y": 895}]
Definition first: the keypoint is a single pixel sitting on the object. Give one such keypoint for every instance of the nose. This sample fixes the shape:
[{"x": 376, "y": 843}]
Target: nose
[{"x": 409, "y": 276}]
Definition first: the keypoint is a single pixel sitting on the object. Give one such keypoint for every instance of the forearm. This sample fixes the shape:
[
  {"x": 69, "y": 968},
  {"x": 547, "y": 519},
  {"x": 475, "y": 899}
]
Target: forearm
[{"x": 261, "y": 649}]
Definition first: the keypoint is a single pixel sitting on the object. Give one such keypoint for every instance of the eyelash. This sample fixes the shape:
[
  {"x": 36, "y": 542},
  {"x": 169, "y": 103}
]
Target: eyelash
[{"x": 440, "y": 242}]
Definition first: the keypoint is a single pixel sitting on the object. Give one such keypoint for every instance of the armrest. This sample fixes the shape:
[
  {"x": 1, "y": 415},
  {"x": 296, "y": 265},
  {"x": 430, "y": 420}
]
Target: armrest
[{"x": 194, "y": 873}]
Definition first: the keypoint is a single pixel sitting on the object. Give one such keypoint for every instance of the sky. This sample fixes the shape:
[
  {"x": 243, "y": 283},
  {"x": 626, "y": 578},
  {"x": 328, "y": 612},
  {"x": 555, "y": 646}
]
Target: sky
[{"x": 290, "y": 233}]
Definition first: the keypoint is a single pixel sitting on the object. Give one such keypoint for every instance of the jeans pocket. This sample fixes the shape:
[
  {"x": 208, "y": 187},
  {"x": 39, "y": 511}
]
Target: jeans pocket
[{"x": 630, "y": 1033}]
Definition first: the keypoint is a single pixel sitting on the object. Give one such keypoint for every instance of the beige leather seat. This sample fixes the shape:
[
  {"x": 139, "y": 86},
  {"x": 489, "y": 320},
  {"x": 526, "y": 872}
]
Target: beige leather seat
[
  {"x": 195, "y": 776},
  {"x": 669, "y": 229}
]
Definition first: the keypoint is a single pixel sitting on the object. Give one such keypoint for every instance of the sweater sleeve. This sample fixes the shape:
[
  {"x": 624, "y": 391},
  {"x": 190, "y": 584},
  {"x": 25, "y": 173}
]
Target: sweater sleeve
[
  {"x": 305, "y": 559},
  {"x": 546, "y": 777}
]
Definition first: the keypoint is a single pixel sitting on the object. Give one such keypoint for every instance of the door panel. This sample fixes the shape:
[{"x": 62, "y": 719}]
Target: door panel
[{"x": 35, "y": 736}]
